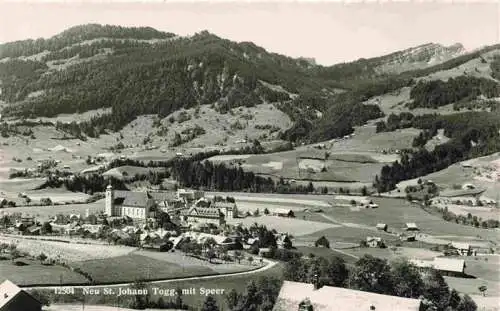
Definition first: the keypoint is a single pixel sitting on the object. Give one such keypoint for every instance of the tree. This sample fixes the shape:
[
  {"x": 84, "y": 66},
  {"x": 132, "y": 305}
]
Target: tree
[
  {"x": 178, "y": 298},
  {"x": 256, "y": 213},
  {"x": 287, "y": 243},
  {"x": 210, "y": 254},
  {"x": 322, "y": 241},
  {"x": 266, "y": 211},
  {"x": 372, "y": 275},
  {"x": 140, "y": 301},
  {"x": 238, "y": 256},
  {"x": 232, "y": 299},
  {"x": 483, "y": 289},
  {"x": 210, "y": 304},
  {"x": 250, "y": 259},
  {"x": 42, "y": 257},
  {"x": 364, "y": 191},
  {"x": 46, "y": 228},
  {"x": 467, "y": 304},
  {"x": 454, "y": 299},
  {"x": 407, "y": 280},
  {"x": 436, "y": 290}
]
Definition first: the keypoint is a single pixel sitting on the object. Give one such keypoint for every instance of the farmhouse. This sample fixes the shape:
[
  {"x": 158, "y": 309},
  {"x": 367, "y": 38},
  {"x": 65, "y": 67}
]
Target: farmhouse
[
  {"x": 446, "y": 266},
  {"x": 411, "y": 226},
  {"x": 283, "y": 212},
  {"x": 382, "y": 227},
  {"x": 12, "y": 298},
  {"x": 373, "y": 241},
  {"x": 329, "y": 298},
  {"x": 464, "y": 249}
]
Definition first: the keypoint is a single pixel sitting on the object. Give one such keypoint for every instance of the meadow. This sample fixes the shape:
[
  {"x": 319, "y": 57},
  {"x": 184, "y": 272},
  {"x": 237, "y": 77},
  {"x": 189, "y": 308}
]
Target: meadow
[
  {"x": 128, "y": 268},
  {"x": 52, "y": 210},
  {"x": 36, "y": 273},
  {"x": 292, "y": 226}
]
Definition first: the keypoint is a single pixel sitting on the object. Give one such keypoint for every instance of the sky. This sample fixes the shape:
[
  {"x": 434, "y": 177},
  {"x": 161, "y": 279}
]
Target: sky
[{"x": 329, "y": 32}]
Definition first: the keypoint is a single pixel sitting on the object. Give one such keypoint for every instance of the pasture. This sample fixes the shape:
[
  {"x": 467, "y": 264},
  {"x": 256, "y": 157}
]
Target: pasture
[
  {"x": 36, "y": 273},
  {"x": 70, "y": 252},
  {"x": 128, "y": 268},
  {"x": 396, "y": 212},
  {"x": 58, "y": 195},
  {"x": 296, "y": 227},
  {"x": 179, "y": 258},
  {"x": 52, "y": 210}
]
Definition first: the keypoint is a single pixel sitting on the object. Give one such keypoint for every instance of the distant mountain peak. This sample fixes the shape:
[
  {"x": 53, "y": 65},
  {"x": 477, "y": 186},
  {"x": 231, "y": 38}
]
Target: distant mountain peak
[{"x": 420, "y": 56}]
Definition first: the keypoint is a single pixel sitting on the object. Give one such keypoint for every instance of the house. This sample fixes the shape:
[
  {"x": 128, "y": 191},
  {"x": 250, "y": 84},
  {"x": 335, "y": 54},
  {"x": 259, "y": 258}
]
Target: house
[
  {"x": 446, "y": 266},
  {"x": 407, "y": 237},
  {"x": 281, "y": 240},
  {"x": 201, "y": 238},
  {"x": 12, "y": 298},
  {"x": 468, "y": 186},
  {"x": 373, "y": 241},
  {"x": 229, "y": 209},
  {"x": 202, "y": 215},
  {"x": 250, "y": 242},
  {"x": 411, "y": 226},
  {"x": 382, "y": 227},
  {"x": 282, "y": 212},
  {"x": 189, "y": 195},
  {"x": 329, "y": 298},
  {"x": 33, "y": 230},
  {"x": 464, "y": 249}
]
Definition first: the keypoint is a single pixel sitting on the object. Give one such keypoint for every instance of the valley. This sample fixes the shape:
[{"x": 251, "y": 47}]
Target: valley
[{"x": 131, "y": 157}]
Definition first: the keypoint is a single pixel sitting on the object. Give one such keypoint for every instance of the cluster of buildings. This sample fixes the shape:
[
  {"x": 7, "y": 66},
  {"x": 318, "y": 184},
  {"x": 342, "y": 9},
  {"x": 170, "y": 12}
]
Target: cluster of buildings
[{"x": 188, "y": 206}]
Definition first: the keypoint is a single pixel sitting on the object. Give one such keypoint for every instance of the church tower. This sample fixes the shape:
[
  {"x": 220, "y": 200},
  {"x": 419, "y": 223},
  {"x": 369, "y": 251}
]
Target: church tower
[{"x": 110, "y": 198}]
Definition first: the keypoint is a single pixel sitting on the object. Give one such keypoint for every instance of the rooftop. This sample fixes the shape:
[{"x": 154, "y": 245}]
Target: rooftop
[
  {"x": 329, "y": 298},
  {"x": 8, "y": 290}
]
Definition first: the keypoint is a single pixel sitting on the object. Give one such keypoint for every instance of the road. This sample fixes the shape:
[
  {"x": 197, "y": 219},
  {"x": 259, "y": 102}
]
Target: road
[{"x": 269, "y": 265}]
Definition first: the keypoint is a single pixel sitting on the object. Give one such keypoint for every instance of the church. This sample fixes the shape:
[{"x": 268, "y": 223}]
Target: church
[{"x": 136, "y": 205}]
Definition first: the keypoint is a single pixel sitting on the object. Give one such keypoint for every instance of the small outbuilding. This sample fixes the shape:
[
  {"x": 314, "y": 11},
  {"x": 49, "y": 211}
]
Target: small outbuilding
[
  {"x": 382, "y": 227},
  {"x": 411, "y": 226}
]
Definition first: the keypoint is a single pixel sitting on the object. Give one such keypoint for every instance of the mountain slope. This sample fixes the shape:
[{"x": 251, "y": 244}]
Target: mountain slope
[{"x": 138, "y": 71}]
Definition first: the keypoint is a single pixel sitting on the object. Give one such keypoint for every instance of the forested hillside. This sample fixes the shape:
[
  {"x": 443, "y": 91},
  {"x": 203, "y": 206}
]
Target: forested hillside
[{"x": 139, "y": 71}]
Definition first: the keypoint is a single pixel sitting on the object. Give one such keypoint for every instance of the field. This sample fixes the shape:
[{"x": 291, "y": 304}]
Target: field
[
  {"x": 481, "y": 173},
  {"x": 78, "y": 307},
  {"x": 127, "y": 171},
  {"x": 71, "y": 252},
  {"x": 130, "y": 267},
  {"x": 188, "y": 262},
  {"x": 293, "y": 226},
  {"x": 481, "y": 212},
  {"x": 57, "y": 195},
  {"x": 226, "y": 283},
  {"x": 52, "y": 210},
  {"x": 396, "y": 212},
  {"x": 36, "y": 273}
]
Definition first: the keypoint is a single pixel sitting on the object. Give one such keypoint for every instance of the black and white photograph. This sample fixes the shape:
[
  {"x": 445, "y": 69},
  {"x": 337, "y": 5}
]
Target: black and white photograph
[{"x": 249, "y": 155}]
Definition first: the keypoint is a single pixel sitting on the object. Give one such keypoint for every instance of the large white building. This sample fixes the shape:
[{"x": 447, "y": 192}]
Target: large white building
[
  {"x": 136, "y": 205},
  {"x": 329, "y": 298}
]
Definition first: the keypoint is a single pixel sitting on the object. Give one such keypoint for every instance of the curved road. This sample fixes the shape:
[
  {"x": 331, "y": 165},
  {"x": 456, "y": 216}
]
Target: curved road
[{"x": 268, "y": 266}]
